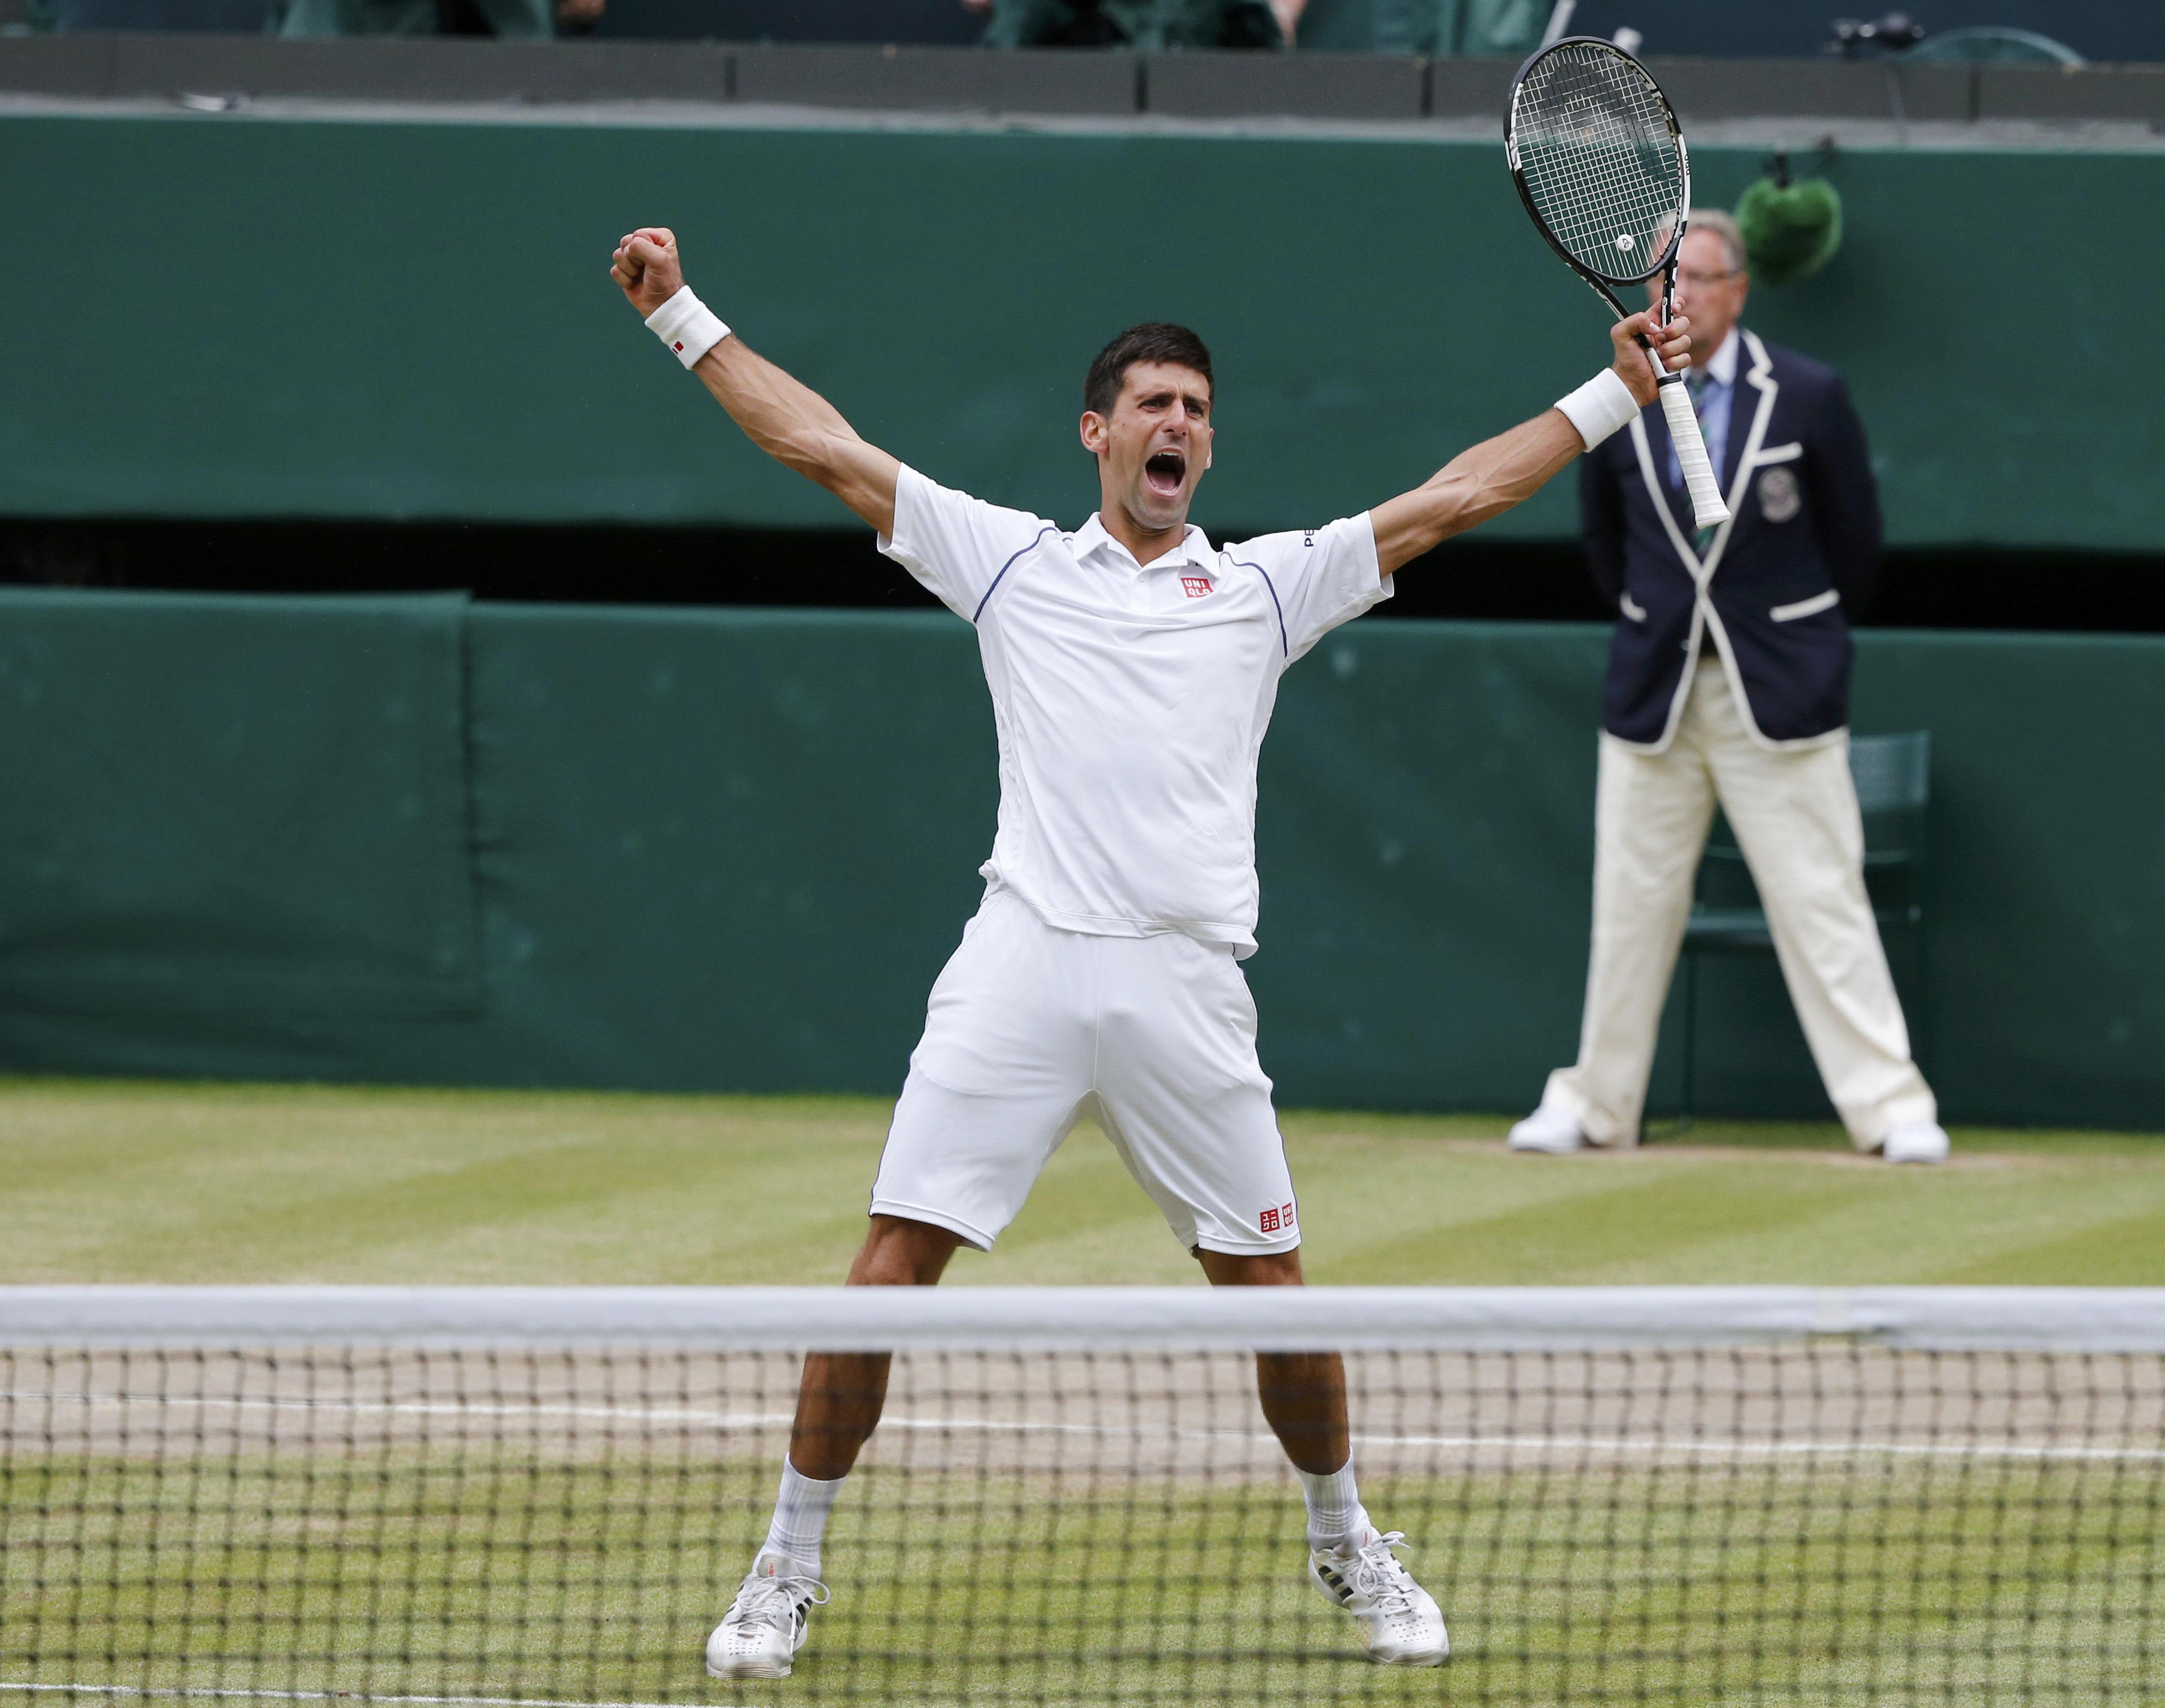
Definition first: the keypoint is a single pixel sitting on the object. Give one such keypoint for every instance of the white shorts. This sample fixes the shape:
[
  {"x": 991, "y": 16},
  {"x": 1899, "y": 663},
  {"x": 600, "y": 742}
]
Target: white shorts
[{"x": 1029, "y": 1029}]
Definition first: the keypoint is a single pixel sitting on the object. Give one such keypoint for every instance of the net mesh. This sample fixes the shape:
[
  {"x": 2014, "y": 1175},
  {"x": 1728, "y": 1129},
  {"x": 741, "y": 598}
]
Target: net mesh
[
  {"x": 1595, "y": 146},
  {"x": 1825, "y": 1520}
]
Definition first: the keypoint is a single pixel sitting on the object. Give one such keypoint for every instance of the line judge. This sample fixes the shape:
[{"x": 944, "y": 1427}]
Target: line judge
[{"x": 1729, "y": 682}]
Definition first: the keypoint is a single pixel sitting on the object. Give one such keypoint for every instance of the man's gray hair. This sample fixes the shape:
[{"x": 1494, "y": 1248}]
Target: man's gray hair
[{"x": 1723, "y": 226}]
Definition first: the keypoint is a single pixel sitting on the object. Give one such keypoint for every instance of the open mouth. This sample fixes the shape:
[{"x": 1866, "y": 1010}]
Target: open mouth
[{"x": 1164, "y": 472}]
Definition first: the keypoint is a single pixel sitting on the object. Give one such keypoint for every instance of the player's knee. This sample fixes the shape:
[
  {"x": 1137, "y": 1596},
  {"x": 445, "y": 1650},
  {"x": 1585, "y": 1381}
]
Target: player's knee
[
  {"x": 1251, "y": 1268},
  {"x": 899, "y": 1252}
]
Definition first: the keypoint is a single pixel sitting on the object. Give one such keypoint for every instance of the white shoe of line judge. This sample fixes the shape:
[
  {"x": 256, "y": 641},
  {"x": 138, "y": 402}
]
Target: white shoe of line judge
[{"x": 1552, "y": 1131}]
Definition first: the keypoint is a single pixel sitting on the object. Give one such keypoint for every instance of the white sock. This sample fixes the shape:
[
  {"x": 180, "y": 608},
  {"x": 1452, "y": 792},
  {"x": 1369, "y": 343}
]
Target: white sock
[
  {"x": 800, "y": 1515},
  {"x": 1336, "y": 1515}
]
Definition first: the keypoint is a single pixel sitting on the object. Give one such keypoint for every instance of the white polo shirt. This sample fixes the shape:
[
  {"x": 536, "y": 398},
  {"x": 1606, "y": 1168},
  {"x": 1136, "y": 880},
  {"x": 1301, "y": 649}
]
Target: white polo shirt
[{"x": 1131, "y": 700}]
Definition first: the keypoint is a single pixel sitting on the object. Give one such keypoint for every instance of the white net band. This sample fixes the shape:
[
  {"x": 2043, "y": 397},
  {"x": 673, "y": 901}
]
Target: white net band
[{"x": 2126, "y": 1319}]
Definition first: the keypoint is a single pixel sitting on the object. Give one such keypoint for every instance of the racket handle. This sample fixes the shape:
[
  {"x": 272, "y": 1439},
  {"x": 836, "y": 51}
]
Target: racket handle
[{"x": 1708, "y": 509}]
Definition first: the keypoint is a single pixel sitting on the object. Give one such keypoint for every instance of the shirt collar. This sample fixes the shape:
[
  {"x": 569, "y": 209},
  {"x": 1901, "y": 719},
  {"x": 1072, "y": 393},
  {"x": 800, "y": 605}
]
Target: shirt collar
[
  {"x": 1722, "y": 370},
  {"x": 1194, "y": 547}
]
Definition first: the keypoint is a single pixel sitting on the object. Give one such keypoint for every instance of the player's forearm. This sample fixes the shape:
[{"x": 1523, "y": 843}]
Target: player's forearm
[
  {"x": 801, "y": 430},
  {"x": 1482, "y": 481}
]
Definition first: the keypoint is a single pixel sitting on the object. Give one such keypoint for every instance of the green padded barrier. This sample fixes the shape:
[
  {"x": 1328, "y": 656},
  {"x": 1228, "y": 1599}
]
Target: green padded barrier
[
  {"x": 724, "y": 848},
  {"x": 244, "y": 807},
  {"x": 394, "y": 319},
  {"x": 730, "y": 850}
]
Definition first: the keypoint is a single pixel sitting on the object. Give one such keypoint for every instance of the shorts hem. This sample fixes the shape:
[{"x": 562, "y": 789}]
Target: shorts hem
[
  {"x": 1259, "y": 1248},
  {"x": 936, "y": 1217}
]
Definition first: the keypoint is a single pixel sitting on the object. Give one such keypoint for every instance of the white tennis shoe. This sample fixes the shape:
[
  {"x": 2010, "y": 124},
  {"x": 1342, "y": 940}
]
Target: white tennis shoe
[
  {"x": 1916, "y": 1141},
  {"x": 765, "y": 1626},
  {"x": 1549, "y": 1130},
  {"x": 1400, "y": 1624}
]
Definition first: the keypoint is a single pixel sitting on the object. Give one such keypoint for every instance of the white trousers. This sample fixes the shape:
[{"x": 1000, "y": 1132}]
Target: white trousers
[{"x": 1796, "y": 819}]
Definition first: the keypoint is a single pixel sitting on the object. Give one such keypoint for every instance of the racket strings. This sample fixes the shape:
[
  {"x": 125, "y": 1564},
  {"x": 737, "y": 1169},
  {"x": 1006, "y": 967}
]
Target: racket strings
[
  {"x": 1614, "y": 169},
  {"x": 1599, "y": 157}
]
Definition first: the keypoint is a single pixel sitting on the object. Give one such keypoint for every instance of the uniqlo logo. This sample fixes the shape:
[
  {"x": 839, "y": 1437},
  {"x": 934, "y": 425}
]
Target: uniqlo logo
[
  {"x": 1270, "y": 1221},
  {"x": 1196, "y": 586},
  {"x": 678, "y": 346}
]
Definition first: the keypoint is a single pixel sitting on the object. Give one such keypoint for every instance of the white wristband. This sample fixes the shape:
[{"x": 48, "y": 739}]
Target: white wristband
[
  {"x": 1599, "y": 407},
  {"x": 687, "y": 326}
]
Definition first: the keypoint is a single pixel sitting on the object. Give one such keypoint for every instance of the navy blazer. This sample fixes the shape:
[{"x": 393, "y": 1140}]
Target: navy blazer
[{"x": 1803, "y": 542}]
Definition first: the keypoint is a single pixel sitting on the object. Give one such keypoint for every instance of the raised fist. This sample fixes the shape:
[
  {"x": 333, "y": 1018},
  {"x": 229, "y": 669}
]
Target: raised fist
[
  {"x": 646, "y": 266},
  {"x": 1634, "y": 364}
]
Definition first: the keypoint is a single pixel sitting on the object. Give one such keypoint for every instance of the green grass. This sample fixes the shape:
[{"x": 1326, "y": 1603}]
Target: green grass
[
  {"x": 547, "y": 1581},
  {"x": 382, "y": 1557},
  {"x": 142, "y": 1181}
]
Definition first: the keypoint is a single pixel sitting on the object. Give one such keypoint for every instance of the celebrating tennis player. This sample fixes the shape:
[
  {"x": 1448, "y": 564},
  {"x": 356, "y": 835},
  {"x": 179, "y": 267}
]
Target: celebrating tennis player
[{"x": 1133, "y": 667}]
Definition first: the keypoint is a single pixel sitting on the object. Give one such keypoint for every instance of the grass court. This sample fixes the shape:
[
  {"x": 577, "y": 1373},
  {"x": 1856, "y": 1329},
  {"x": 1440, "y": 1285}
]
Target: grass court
[{"x": 370, "y": 1528}]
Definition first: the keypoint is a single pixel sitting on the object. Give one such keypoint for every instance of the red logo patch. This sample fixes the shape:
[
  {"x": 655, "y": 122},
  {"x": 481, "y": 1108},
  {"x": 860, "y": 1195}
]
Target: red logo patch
[
  {"x": 1285, "y": 1217},
  {"x": 678, "y": 346},
  {"x": 1270, "y": 1221},
  {"x": 1195, "y": 585}
]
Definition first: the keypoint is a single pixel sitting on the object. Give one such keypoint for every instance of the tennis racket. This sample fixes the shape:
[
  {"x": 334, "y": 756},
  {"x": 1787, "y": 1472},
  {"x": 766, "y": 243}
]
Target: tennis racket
[{"x": 1594, "y": 149}]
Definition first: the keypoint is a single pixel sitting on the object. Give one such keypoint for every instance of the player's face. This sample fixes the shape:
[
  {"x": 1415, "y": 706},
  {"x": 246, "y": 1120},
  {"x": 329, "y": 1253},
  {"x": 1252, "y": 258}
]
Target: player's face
[
  {"x": 1152, "y": 449},
  {"x": 1708, "y": 289}
]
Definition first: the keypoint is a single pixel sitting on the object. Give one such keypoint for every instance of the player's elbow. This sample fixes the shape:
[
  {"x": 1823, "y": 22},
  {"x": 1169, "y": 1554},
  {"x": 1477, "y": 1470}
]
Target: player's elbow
[
  {"x": 1464, "y": 500},
  {"x": 813, "y": 452}
]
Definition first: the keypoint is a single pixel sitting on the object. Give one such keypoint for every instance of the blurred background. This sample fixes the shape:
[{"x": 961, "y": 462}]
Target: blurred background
[{"x": 406, "y": 675}]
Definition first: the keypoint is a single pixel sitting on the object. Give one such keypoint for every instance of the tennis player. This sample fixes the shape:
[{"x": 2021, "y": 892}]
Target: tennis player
[{"x": 1133, "y": 667}]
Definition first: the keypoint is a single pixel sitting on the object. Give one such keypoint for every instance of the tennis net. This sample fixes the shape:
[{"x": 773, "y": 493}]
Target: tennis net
[{"x": 1618, "y": 1495}]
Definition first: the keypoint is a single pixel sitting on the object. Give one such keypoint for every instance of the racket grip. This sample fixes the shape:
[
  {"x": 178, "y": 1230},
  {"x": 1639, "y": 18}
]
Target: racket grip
[{"x": 1708, "y": 509}]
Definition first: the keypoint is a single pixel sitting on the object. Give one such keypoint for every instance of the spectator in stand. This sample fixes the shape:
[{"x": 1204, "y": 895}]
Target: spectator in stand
[
  {"x": 1448, "y": 27},
  {"x": 1147, "y": 25},
  {"x": 505, "y": 18}
]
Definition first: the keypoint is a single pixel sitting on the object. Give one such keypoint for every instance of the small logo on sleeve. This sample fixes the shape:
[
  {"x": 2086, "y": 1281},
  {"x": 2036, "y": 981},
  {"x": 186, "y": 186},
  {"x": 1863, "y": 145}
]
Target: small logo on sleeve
[
  {"x": 678, "y": 346},
  {"x": 1195, "y": 587},
  {"x": 1278, "y": 1220}
]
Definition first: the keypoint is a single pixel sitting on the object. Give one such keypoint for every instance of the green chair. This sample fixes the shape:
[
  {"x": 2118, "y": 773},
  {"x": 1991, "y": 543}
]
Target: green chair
[
  {"x": 1893, "y": 775},
  {"x": 1990, "y": 45}
]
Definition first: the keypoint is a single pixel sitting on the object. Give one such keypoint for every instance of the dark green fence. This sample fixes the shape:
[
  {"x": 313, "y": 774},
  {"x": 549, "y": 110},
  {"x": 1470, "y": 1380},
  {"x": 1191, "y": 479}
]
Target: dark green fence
[
  {"x": 415, "y": 840},
  {"x": 252, "y": 318}
]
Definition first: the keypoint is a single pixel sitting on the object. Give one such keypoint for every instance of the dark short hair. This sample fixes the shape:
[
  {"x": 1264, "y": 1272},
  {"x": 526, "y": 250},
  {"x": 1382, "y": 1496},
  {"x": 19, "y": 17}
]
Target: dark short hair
[{"x": 1154, "y": 340}]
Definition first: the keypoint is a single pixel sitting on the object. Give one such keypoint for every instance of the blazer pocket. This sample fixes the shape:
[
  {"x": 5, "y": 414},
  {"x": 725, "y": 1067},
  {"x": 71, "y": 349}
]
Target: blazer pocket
[
  {"x": 1630, "y": 608},
  {"x": 1778, "y": 453},
  {"x": 1807, "y": 608}
]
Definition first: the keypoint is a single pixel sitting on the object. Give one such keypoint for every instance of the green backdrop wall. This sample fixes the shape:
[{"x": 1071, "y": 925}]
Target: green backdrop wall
[
  {"x": 417, "y": 840},
  {"x": 238, "y": 316}
]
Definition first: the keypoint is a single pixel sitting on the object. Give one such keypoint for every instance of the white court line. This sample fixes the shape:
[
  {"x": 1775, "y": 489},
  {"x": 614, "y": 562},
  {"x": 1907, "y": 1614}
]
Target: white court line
[
  {"x": 634, "y": 1414},
  {"x": 1717, "y": 1446},
  {"x": 140, "y": 1691},
  {"x": 416, "y": 1407}
]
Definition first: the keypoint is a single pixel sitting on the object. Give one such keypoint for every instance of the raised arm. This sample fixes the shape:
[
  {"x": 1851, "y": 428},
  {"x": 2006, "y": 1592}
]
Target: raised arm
[
  {"x": 1491, "y": 476},
  {"x": 788, "y": 421}
]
